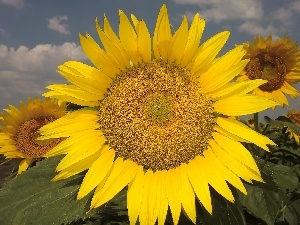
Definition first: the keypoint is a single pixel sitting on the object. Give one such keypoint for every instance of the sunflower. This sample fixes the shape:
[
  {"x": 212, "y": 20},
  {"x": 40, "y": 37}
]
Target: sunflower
[
  {"x": 277, "y": 62},
  {"x": 19, "y": 130},
  {"x": 160, "y": 118}
]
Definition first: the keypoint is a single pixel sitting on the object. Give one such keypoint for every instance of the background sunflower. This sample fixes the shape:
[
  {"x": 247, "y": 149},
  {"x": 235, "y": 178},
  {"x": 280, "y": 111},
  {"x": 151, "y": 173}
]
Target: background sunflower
[
  {"x": 277, "y": 62},
  {"x": 19, "y": 130}
]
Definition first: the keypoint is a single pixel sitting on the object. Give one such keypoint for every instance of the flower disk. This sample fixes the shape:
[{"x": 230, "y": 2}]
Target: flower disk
[{"x": 155, "y": 114}]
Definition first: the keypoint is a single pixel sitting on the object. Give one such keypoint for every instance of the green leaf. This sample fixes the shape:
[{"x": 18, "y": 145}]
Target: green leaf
[
  {"x": 292, "y": 212},
  {"x": 265, "y": 203},
  {"x": 224, "y": 212},
  {"x": 30, "y": 198}
]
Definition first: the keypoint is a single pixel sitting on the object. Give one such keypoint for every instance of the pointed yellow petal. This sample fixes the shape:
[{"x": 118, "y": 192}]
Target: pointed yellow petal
[
  {"x": 161, "y": 196},
  {"x": 236, "y": 150},
  {"x": 172, "y": 193},
  {"x": 77, "y": 167},
  {"x": 162, "y": 35},
  {"x": 135, "y": 195},
  {"x": 187, "y": 194},
  {"x": 86, "y": 148},
  {"x": 128, "y": 38},
  {"x": 64, "y": 98},
  {"x": 134, "y": 20},
  {"x": 121, "y": 174},
  {"x": 96, "y": 82},
  {"x": 144, "y": 212},
  {"x": 24, "y": 164},
  {"x": 194, "y": 37},
  {"x": 97, "y": 172},
  {"x": 237, "y": 128},
  {"x": 178, "y": 41},
  {"x": 71, "y": 143},
  {"x": 237, "y": 166},
  {"x": 112, "y": 45},
  {"x": 199, "y": 181},
  {"x": 208, "y": 51},
  {"x": 144, "y": 41},
  {"x": 216, "y": 178},
  {"x": 70, "y": 124},
  {"x": 235, "y": 88},
  {"x": 73, "y": 91},
  {"x": 289, "y": 89},
  {"x": 97, "y": 56},
  {"x": 212, "y": 80},
  {"x": 239, "y": 105},
  {"x": 224, "y": 132}
]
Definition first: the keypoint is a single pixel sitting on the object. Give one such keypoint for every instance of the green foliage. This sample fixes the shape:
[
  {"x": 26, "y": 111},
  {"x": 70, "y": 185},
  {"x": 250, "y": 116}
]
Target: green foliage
[{"x": 31, "y": 198}]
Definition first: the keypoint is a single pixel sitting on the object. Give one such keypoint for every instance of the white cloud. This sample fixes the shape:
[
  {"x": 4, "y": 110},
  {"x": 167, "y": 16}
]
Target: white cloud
[
  {"x": 218, "y": 10},
  {"x": 255, "y": 28},
  {"x": 15, "y": 3},
  {"x": 25, "y": 72},
  {"x": 57, "y": 23}
]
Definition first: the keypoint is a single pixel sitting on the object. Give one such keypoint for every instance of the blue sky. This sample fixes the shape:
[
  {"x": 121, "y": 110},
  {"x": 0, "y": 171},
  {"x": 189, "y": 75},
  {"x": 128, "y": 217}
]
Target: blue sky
[{"x": 36, "y": 36}]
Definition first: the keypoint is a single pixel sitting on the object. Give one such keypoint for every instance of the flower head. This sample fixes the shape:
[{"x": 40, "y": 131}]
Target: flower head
[
  {"x": 277, "y": 62},
  {"x": 19, "y": 130},
  {"x": 162, "y": 123}
]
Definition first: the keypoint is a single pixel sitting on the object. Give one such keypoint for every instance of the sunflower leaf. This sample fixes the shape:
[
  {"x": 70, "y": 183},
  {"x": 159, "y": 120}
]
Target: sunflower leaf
[
  {"x": 30, "y": 198},
  {"x": 263, "y": 202},
  {"x": 224, "y": 212}
]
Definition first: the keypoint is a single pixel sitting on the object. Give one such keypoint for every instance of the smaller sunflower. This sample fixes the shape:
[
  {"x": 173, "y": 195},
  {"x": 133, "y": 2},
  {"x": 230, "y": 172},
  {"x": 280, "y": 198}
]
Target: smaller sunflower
[
  {"x": 19, "y": 130},
  {"x": 278, "y": 62},
  {"x": 294, "y": 116}
]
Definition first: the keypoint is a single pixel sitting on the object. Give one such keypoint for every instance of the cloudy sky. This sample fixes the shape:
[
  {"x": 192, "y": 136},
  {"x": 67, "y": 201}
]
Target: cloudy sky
[{"x": 36, "y": 36}]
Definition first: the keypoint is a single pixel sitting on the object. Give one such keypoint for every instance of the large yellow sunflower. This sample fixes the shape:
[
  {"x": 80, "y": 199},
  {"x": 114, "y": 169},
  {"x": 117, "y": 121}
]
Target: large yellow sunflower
[
  {"x": 277, "y": 62},
  {"x": 19, "y": 130},
  {"x": 161, "y": 123}
]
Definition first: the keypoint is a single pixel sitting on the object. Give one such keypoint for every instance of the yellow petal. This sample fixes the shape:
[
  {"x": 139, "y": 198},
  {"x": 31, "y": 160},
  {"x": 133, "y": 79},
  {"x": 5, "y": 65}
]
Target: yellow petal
[
  {"x": 77, "y": 167},
  {"x": 24, "y": 164},
  {"x": 144, "y": 41},
  {"x": 112, "y": 45},
  {"x": 97, "y": 56},
  {"x": 162, "y": 35},
  {"x": 235, "y": 88},
  {"x": 289, "y": 89},
  {"x": 208, "y": 51},
  {"x": 194, "y": 37},
  {"x": 73, "y": 91},
  {"x": 135, "y": 195},
  {"x": 199, "y": 182},
  {"x": 216, "y": 77},
  {"x": 86, "y": 148},
  {"x": 70, "y": 124},
  {"x": 121, "y": 174},
  {"x": 216, "y": 177},
  {"x": 95, "y": 175},
  {"x": 239, "y": 160},
  {"x": 178, "y": 41},
  {"x": 187, "y": 194},
  {"x": 64, "y": 98},
  {"x": 172, "y": 192},
  {"x": 239, "y": 105},
  {"x": 161, "y": 196},
  {"x": 239, "y": 129},
  {"x": 128, "y": 38}
]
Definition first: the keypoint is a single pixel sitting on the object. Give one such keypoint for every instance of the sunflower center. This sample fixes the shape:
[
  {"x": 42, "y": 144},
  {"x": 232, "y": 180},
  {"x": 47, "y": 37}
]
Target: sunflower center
[
  {"x": 27, "y": 134},
  {"x": 159, "y": 108},
  {"x": 269, "y": 67},
  {"x": 156, "y": 115}
]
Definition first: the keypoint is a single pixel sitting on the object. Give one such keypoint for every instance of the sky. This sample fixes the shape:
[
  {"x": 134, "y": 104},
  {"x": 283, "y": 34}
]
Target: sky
[{"x": 36, "y": 36}]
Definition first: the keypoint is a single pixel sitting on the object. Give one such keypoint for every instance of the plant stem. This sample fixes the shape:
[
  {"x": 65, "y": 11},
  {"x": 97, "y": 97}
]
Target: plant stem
[{"x": 256, "y": 122}]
